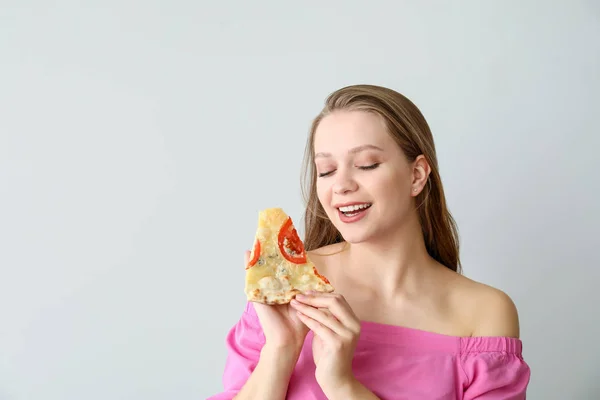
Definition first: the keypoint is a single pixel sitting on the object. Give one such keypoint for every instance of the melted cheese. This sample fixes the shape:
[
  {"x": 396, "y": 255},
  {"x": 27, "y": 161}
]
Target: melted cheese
[{"x": 274, "y": 279}]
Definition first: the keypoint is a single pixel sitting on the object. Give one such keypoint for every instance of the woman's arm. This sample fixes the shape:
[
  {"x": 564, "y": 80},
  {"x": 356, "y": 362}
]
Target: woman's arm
[
  {"x": 354, "y": 390},
  {"x": 262, "y": 350},
  {"x": 270, "y": 378},
  {"x": 256, "y": 368}
]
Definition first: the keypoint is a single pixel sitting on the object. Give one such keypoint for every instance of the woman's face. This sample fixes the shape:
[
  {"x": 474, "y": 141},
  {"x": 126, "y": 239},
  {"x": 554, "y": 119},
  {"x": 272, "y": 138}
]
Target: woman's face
[{"x": 364, "y": 181}]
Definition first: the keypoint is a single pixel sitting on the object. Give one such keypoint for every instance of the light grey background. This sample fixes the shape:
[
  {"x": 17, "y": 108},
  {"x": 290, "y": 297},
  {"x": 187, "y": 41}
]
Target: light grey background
[{"x": 138, "y": 140}]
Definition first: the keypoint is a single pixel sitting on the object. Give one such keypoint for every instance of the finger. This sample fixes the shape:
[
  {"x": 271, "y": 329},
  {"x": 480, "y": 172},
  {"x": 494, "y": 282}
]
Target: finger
[
  {"x": 327, "y": 312},
  {"x": 323, "y": 317},
  {"x": 318, "y": 329},
  {"x": 336, "y": 304}
]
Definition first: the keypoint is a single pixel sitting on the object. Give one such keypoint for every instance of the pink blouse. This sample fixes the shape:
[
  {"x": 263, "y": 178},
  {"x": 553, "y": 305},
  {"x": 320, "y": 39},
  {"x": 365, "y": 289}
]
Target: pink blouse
[{"x": 394, "y": 363}]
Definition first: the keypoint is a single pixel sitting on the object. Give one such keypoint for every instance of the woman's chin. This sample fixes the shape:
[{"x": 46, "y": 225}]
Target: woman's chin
[{"x": 355, "y": 237}]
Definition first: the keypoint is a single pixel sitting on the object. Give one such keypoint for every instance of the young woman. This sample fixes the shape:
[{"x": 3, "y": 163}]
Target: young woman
[{"x": 403, "y": 323}]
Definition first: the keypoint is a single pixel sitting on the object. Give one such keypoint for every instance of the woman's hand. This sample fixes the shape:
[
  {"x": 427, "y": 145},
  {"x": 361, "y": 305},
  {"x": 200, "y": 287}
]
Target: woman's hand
[
  {"x": 336, "y": 329},
  {"x": 283, "y": 329},
  {"x": 284, "y": 334}
]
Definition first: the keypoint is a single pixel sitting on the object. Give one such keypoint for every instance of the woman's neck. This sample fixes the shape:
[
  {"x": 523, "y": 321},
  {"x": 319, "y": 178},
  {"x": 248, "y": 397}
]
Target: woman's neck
[{"x": 393, "y": 263}]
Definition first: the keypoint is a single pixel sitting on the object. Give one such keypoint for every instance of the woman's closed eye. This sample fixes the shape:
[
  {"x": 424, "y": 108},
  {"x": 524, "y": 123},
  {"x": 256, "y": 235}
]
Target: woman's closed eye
[
  {"x": 363, "y": 167},
  {"x": 324, "y": 174},
  {"x": 372, "y": 166}
]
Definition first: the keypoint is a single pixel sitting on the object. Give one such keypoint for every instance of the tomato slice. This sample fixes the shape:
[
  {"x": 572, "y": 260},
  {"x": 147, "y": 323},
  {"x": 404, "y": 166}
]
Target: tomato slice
[
  {"x": 321, "y": 276},
  {"x": 254, "y": 256},
  {"x": 290, "y": 245}
]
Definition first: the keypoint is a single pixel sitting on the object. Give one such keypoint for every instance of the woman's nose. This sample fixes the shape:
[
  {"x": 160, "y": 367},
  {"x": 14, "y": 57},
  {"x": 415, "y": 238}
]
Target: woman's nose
[{"x": 344, "y": 184}]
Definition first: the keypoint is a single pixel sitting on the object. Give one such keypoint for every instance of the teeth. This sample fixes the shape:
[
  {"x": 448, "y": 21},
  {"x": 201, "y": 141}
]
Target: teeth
[{"x": 354, "y": 207}]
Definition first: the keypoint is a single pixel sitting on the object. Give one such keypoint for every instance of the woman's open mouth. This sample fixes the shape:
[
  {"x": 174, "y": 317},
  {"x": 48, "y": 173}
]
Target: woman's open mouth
[{"x": 353, "y": 212}]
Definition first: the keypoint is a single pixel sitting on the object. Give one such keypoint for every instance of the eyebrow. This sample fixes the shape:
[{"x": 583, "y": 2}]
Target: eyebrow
[{"x": 353, "y": 150}]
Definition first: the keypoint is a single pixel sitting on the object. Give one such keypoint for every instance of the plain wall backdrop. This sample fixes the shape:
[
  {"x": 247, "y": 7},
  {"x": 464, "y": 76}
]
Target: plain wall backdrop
[{"x": 139, "y": 140}]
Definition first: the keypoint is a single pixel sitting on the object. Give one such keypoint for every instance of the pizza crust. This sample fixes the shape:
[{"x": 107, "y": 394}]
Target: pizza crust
[{"x": 276, "y": 278}]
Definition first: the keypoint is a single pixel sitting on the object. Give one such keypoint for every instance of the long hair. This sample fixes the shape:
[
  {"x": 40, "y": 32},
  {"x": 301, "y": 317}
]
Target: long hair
[{"x": 410, "y": 130}]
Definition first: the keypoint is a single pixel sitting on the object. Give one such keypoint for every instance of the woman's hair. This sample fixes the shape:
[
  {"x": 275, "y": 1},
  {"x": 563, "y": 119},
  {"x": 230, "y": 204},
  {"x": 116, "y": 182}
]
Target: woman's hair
[{"x": 410, "y": 130}]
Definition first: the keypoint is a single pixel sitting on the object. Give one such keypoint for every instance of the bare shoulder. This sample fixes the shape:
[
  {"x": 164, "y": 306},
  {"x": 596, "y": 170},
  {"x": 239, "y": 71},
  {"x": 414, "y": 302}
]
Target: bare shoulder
[
  {"x": 326, "y": 257},
  {"x": 328, "y": 250},
  {"x": 493, "y": 312},
  {"x": 325, "y": 253}
]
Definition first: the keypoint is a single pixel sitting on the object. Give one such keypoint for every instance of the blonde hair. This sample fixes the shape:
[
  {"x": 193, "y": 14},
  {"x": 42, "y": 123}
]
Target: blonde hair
[{"x": 410, "y": 130}]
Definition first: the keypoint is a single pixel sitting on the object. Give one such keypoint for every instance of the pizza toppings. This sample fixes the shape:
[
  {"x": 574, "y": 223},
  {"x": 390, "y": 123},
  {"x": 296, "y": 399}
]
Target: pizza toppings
[
  {"x": 269, "y": 283},
  {"x": 320, "y": 276},
  {"x": 279, "y": 267},
  {"x": 290, "y": 245},
  {"x": 254, "y": 257}
]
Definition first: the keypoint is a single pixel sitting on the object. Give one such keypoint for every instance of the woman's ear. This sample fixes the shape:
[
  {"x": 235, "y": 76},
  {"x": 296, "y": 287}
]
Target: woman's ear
[{"x": 420, "y": 174}]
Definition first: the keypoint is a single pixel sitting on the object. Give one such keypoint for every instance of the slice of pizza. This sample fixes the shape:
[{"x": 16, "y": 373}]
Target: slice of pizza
[{"x": 278, "y": 267}]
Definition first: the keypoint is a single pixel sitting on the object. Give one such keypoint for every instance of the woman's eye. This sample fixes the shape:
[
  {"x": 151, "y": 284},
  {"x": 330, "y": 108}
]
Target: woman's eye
[
  {"x": 372, "y": 166},
  {"x": 323, "y": 174}
]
